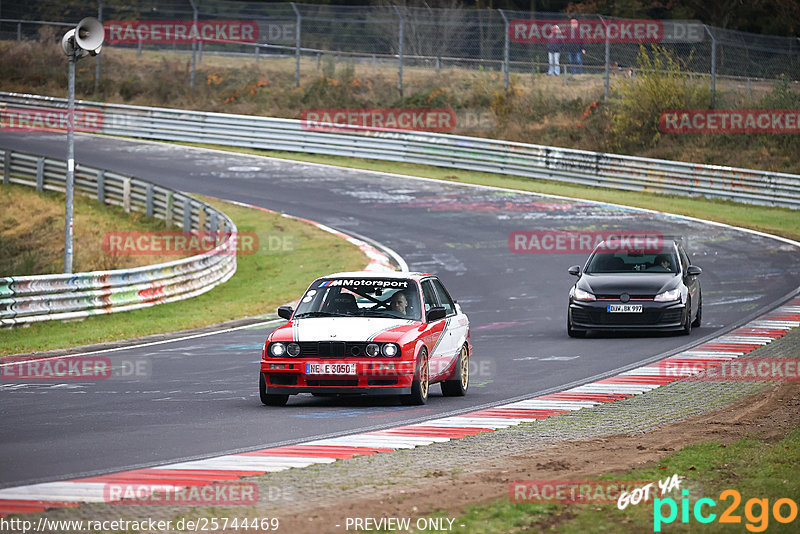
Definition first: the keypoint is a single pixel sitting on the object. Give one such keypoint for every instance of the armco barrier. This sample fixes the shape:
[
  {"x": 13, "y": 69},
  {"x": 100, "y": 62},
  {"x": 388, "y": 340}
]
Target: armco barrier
[
  {"x": 25, "y": 299},
  {"x": 443, "y": 150}
]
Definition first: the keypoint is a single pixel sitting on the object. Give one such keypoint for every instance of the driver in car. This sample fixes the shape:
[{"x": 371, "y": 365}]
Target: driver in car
[{"x": 399, "y": 303}]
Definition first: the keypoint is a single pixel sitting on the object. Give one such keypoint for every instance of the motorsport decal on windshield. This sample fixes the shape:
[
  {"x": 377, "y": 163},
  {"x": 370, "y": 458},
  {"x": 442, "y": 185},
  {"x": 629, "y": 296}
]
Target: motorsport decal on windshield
[{"x": 365, "y": 283}]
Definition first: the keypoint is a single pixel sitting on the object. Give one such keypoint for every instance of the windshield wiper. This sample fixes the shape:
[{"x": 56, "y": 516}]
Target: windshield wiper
[{"x": 321, "y": 314}]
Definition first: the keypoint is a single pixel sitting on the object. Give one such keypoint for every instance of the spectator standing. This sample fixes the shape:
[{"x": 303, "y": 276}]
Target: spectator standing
[
  {"x": 554, "y": 46},
  {"x": 575, "y": 49}
]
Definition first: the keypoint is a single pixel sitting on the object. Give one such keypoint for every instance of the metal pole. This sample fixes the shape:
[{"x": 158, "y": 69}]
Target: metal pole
[
  {"x": 297, "y": 31},
  {"x": 97, "y": 58},
  {"x": 713, "y": 67},
  {"x": 70, "y": 177},
  {"x": 400, "y": 52},
  {"x": 505, "y": 51},
  {"x": 194, "y": 44}
]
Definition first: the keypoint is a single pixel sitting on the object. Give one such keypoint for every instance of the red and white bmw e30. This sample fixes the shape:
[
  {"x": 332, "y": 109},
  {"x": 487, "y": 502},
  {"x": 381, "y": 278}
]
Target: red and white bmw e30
[{"x": 367, "y": 332}]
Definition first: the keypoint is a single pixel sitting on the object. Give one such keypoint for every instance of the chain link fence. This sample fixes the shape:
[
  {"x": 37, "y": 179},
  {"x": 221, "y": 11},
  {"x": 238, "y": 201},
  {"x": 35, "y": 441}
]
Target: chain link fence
[{"x": 414, "y": 45}]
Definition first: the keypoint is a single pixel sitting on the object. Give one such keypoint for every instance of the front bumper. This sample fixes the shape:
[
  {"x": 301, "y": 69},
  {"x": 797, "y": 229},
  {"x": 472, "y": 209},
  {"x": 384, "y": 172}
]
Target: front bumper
[
  {"x": 375, "y": 376},
  {"x": 661, "y": 316}
]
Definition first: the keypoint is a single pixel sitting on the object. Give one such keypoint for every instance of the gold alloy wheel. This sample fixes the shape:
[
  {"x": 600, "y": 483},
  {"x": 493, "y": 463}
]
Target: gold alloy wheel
[
  {"x": 424, "y": 376},
  {"x": 464, "y": 367}
]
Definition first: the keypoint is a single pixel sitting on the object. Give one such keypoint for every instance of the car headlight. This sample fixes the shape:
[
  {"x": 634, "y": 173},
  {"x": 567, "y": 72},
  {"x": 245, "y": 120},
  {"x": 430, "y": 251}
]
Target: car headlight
[
  {"x": 580, "y": 294},
  {"x": 277, "y": 349},
  {"x": 373, "y": 350},
  {"x": 293, "y": 350},
  {"x": 390, "y": 350},
  {"x": 668, "y": 296}
]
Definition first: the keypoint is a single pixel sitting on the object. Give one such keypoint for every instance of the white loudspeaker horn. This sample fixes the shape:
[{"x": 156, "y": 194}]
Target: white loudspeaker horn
[{"x": 89, "y": 35}]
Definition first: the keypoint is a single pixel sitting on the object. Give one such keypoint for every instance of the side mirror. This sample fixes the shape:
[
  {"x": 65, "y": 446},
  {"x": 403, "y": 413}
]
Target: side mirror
[
  {"x": 694, "y": 270},
  {"x": 285, "y": 312},
  {"x": 434, "y": 314},
  {"x": 575, "y": 270}
]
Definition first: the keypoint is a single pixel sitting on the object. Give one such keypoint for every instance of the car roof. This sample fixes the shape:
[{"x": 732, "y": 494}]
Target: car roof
[{"x": 379, "y": 274}]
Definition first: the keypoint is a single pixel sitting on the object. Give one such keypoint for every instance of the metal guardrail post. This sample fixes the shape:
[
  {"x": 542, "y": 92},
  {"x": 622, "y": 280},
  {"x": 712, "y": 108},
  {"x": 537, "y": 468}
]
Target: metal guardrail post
[
  {"x": 400, "y": 48},
  {"x": 506, "y": 46},
  {"x": 148, "y": 200},
  {"x": 713, "y": 67},
  {"x": 168, "y": 214},
  {"x": 6, "y": 167},
  {"x": 126, "y": 194},
  {"x": 187, "y": 214},
  {"x": 101, "y": 186},
  {"x": 298, "y": 30},
  {"x": 40, "y": 174}
]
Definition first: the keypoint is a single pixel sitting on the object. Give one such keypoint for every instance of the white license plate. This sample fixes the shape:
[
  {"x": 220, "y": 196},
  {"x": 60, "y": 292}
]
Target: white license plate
[
  {"x": 330, "y": 368},
  {"x": 624, "y": 308}
]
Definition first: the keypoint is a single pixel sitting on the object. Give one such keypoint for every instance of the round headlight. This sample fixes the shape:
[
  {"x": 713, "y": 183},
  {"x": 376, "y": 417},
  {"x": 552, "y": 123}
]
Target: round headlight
[
  {"x": 293, "y": 350},
  {"x": 277, "y": 349},
  {"x": 390, "y": 350},
  {"x": 373, "y": 350}
]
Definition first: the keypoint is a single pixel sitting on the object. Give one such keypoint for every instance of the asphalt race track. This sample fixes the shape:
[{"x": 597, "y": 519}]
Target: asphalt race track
[{"x": 200, "y": 395}]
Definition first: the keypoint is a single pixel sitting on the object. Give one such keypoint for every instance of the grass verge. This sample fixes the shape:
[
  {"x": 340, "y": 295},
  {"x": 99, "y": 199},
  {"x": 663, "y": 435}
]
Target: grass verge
[
  {"x": 778, "y": 221},
  {"x": 756, "y": 469},
  {"x": 32, "y": 233},
  {"x": 262, "y": 282}
]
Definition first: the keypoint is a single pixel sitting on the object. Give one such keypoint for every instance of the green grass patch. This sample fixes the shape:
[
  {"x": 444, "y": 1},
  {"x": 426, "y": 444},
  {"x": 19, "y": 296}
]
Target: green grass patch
[
  {"x": 756, "y": 469},
  {"x": 779, "y": 221},
  {"x": 262, "y": 282}
]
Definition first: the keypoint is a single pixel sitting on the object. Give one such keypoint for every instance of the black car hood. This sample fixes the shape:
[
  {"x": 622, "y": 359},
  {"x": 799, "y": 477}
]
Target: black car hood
[{"x": 633, "y": 283}]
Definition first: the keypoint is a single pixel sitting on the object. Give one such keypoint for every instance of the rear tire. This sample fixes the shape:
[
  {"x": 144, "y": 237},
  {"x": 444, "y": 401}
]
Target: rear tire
[
  {"x": 269, "y": 400},
  {"x": 699, "y": 317},
  {"x": 458, "y": 385},
  {"x": 421, "y": 383}
]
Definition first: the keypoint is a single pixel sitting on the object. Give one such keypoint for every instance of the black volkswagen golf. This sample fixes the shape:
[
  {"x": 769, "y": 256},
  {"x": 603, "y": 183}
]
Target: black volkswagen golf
[{"x": 651, "y": 288}]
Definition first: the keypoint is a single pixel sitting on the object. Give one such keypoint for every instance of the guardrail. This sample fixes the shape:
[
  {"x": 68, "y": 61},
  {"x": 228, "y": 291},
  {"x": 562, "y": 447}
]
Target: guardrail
[
  {"x": 443, "y": 150},
  {"x": 26, "y": 299}
]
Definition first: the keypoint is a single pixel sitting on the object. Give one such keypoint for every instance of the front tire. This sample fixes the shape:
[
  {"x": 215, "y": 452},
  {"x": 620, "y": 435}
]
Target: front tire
[
  {"x": 687, "y": 323},
  {"x": 269, "y": 400},
  {"x": 421, "y": 383},
  {"x": 572, "y": 332},
  {"x": 458, "y": 385}
]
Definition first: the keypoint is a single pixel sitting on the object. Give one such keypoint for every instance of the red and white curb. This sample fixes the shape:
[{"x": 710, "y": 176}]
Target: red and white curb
[{"x": 759, "y": 332}]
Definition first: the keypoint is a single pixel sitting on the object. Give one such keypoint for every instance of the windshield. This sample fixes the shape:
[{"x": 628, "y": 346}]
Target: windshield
[
  {"x": 361, "y": 297},
  {"x": 603, "y": 262}
]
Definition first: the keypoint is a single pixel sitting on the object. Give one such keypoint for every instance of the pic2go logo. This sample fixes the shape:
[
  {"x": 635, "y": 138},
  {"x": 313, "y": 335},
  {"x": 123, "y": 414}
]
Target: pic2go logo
[{"x": 757, "y": 520}]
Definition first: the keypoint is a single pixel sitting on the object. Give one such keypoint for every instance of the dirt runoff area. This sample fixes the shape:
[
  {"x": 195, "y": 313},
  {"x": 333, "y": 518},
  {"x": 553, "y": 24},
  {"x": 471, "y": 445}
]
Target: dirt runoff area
[{"x": 768, "y": 416}]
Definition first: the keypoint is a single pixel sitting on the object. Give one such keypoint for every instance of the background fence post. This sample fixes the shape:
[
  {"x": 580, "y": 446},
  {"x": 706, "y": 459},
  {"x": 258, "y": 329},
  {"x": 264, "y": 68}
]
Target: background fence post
[
  {"x": 148, "y": 200},
  {"x": 187, "y": 214},
  {"x": 400, "y": 41},
  {"x": 606, "y": 89},
  {"x": 713, "y": 67},
  {"x": 505, "y": 51},
  {"x": 194, "y": 44},
  {"x": 168, "y": 209},
  {"x": 297, "y": 32}
]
